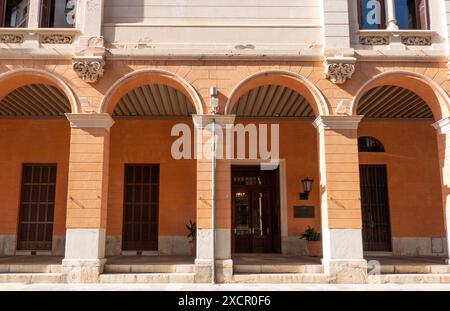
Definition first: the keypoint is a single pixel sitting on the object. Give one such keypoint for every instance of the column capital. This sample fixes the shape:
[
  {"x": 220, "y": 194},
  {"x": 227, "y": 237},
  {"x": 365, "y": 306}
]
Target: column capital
[
  {"x": 201, "y": 121},
  {"x": 337, "y": 122},
  {"x": 442, "y": 126},
  {"x": 83, "y": 120}
]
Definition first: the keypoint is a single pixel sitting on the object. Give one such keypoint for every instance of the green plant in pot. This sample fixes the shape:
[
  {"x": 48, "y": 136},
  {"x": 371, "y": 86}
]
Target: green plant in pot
[
  {"x": 192, "y": 235},
  {"x": 313, "y": 241}
]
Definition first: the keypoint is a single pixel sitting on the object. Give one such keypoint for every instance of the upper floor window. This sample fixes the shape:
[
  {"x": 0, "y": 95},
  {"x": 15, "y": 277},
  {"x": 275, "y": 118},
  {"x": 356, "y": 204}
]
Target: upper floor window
[
  {"x": 369, "y": 144},
  {"x": 57, "y": 13},
  {"x": 13, "y": 13},
  {"x": 371, "y": 14},
  {"x": 412, "y": 14}
]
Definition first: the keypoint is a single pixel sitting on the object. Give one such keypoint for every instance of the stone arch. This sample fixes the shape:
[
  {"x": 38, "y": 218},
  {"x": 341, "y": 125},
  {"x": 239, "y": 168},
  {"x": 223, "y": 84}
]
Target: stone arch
[
  {"x": 435, "y": 97},
  {"x": 15, "y": 79},
  {"x": 148, "y": 76},
  {"x": 288, "y": 79}
]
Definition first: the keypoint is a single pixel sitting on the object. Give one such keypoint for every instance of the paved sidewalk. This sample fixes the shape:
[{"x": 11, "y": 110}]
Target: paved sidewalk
[{"x": 223, "y": 287}]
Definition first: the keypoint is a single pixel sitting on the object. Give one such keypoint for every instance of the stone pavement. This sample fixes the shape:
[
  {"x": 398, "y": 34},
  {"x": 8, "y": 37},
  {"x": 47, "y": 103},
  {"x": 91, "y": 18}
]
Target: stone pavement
[{"x": 223, "y": 287}]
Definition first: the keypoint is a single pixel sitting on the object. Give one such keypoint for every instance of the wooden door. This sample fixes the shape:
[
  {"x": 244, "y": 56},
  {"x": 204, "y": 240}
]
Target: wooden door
[
  {"x": 255, "y": 210},
  {"x": 375, "y": 208},
  {"x": 141, "y": 205},
  {"x": 37, "y": 205}
]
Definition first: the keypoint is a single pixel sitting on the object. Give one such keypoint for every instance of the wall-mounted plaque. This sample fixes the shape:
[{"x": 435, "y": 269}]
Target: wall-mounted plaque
[{"x": 304, "y": 211}]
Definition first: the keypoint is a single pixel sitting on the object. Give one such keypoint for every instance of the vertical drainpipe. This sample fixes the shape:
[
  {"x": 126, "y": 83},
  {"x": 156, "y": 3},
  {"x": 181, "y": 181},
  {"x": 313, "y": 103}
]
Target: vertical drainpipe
[{"x": 214, "y": 110}]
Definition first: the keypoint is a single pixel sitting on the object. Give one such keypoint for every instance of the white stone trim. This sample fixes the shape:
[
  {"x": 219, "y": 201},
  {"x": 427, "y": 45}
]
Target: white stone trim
[
  {"x": 337, "y": 122},
  {"x": 442, "y": 126},
  {"x": 201, "y": 121},
  {"x": 82, "y": 120}
]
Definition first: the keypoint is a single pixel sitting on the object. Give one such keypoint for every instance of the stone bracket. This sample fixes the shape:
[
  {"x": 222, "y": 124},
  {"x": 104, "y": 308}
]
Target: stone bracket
[
  {"x": 339, "y": 69},
  {"x": 89, "y": 68}
]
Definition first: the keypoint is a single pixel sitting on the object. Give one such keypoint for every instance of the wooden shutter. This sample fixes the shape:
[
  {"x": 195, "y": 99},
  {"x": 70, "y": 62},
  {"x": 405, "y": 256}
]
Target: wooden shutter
[
  {"x": 2, "y": 12},
  {"x": 423, "y": 21},
  {"x": 45, "y": 16}
]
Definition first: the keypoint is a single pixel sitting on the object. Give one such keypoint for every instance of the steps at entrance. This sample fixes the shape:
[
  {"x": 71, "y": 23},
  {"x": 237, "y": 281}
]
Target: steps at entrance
[
  {"x": 277, "y": 278},
  {"x": 143, "y": 268},
  {"x": 410, "y": 279},
  {"x": 278, "y": 269},
  {"x": 30, "y": 268},
  {"x": 28, "y": 278},
  {"x": 411, "y": 269},
  {"x": 147, "y": 278}
]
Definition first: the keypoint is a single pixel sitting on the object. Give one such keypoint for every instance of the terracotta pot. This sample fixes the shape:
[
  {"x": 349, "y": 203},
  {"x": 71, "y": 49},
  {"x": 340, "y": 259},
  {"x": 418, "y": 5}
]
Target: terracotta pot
[{"x": 314, "y": 248}]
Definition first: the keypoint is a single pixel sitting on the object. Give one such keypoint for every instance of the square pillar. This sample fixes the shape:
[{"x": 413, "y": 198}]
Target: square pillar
[
  {"x": 205, "y": 185},
  {"x": 443, "y": 132},
  {"x": 87, "y": 196},
  {"x": 342, "y": 242}
]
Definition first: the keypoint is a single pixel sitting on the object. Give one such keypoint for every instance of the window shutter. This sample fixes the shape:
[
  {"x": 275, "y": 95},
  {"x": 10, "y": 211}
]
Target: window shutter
[
  {"x": 2, "y": 12},
  {"x": 46, "y": 7},
  {"x": 422, "y": 12}
]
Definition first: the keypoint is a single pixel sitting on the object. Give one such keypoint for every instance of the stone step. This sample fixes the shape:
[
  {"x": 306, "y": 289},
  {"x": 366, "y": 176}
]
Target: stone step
[
  {"x": 278, "y": 269},
  {"x": 409, "y": 279},
  {"x": 147, "y": 278},
  {"x": 279, "y": 278},
  {"x": 112, "y": 268},
  {"x": 410, "y": 269},
  {"x": 36, "y": 268},
  {"x": 31, "y": 278}
]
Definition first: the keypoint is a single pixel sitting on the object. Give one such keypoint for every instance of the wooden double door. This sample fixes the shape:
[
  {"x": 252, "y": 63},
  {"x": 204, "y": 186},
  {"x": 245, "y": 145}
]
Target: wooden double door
[{"x": 256, "y": 211}]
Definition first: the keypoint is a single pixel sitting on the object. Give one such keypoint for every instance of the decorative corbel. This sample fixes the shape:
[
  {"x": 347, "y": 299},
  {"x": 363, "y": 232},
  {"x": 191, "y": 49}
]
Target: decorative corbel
[
  {"x": 339, "y": 69},
  {"x": 89, "y": 68}
]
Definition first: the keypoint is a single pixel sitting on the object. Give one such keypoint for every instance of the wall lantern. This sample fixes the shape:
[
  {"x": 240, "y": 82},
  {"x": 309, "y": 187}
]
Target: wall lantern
[{"x": 307, "y": 185}]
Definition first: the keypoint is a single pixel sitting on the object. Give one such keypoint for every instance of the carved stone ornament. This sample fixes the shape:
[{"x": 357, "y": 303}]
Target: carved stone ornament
[
  {"x": 338, "y": 70},
  {"x": 374, "y": 40},
  {"x": 416, "y": 40},
  {"x": 11, "y": 38},
  {"x": 90, "y": 69},
  {"x": 56, "y": 39}
]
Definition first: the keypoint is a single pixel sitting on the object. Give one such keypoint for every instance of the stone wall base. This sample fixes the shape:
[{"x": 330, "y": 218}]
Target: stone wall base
[
  {"x": 419, "y": 246},
  {"x": 82, "y": 270},
  {"x": 8, "y": 244},
  {"x": 293, "y": 245},
  {"x": 167, "y": 246}
]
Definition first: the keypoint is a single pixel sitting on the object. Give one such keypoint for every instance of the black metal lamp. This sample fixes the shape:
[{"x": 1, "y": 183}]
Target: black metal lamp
[{"x": 307, "y": 185}]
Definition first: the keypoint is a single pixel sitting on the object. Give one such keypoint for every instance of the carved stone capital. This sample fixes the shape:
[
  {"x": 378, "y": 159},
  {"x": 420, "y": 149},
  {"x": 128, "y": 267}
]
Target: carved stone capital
[
  {"x": 89, "y": 68},
  {"x": 339, "y": 69}
]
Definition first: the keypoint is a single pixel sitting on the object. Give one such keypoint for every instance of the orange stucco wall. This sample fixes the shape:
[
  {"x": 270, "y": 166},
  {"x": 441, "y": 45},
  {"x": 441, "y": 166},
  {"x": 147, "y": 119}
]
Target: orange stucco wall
[
  {"x": 150, "y": 141},
  {"x": 413, "y": 175},
  {"x": 32, "y": 141}
]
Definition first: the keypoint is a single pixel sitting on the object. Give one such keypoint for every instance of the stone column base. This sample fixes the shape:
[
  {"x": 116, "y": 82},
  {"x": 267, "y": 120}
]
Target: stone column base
[
  {"x": 203, "y": 270},
  {"x": 347, "y": 271},
  {"x": 224, "y": 271},
  {"x": 83, "y": 270}
]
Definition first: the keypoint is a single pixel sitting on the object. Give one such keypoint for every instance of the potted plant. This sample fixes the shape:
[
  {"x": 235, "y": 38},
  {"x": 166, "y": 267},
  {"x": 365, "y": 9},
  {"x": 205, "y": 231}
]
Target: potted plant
[
  {"x": 192, "y": 228},
  {"x": 313, "y": 242}
]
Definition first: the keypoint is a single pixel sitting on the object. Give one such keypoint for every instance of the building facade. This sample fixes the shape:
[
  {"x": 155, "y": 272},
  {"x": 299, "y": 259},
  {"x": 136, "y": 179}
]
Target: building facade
[{"x": 92, "y": 92}]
